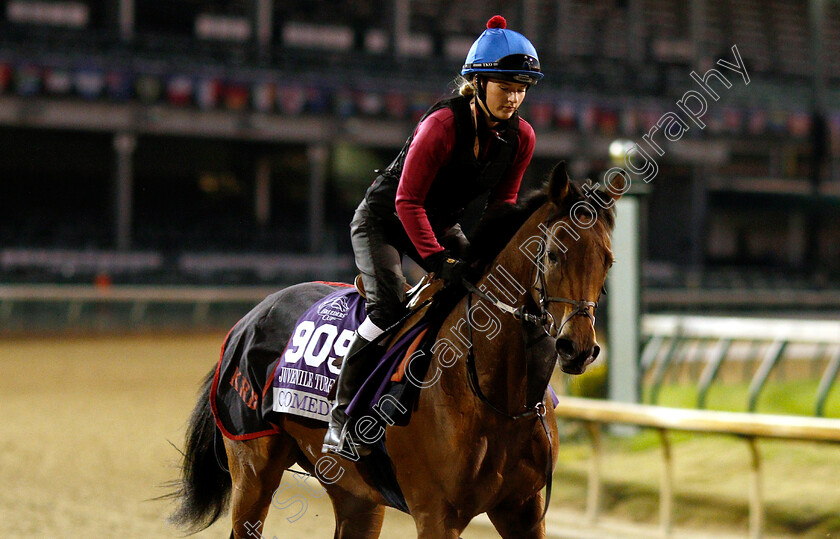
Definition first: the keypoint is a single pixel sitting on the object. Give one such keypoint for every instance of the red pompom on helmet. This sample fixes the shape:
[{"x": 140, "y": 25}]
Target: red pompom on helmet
[{"x": 497, "y": 21}]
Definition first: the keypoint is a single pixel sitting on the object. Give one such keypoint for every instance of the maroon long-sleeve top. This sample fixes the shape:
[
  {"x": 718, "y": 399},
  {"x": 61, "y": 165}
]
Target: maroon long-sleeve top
[{"x": 431, "y": 148}]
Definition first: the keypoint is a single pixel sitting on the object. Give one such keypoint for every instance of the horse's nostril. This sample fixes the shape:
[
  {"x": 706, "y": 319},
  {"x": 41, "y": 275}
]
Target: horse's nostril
[
  {"x": 595, "y": 351},
  {"x": 565, "y": 347}
]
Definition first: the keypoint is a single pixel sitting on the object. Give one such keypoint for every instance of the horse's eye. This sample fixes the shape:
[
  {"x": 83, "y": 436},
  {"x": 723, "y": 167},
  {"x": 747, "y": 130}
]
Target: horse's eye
[{"x": 552, "y": 257}]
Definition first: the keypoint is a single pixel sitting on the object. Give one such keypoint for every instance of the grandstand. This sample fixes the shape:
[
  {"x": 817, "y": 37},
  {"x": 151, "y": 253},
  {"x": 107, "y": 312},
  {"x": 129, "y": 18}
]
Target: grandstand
[{"x": 241, "y": 131}]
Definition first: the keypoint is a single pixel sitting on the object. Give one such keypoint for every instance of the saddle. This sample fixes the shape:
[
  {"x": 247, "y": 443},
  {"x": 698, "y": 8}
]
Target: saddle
[
  {"x": 414, "y": 332},
  {"x": 420, "y": 299}
]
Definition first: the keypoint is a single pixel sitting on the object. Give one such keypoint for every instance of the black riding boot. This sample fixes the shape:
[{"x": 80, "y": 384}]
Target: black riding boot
[{"x": 354, "y": 368}]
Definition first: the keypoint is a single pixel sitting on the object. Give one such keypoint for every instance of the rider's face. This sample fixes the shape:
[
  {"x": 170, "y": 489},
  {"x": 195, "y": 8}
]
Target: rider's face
[{"x": 504, "y": 97}]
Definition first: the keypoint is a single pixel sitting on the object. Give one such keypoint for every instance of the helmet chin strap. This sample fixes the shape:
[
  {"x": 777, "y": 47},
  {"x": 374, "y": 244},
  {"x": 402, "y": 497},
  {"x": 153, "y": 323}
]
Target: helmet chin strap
[{"x": 481, "y": 93}]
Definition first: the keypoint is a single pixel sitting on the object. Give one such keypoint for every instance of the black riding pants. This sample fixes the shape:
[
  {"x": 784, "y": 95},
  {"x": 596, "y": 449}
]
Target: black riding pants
[{"x": 379, "y": 246}]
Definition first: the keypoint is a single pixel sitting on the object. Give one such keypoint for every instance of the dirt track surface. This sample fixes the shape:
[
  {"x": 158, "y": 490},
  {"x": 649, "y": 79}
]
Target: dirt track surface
[{"x": 85, "y": 444}]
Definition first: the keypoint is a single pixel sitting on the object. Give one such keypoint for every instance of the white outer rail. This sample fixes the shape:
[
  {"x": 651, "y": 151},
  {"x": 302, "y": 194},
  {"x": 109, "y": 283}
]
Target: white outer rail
[
  {"x": 51, "y": 292},
  {"x": 138, "y": 296},
  {"x": 740, "y": 328},
  {"x": 699, "y": 298},
  {"x": 750, "y": 426}
]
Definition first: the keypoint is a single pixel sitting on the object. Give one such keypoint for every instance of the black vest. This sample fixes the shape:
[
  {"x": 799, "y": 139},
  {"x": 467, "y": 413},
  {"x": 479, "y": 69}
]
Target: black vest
[{"x": 460, "y": 181}]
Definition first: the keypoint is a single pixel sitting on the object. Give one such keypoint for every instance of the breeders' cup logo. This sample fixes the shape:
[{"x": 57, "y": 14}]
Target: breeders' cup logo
[{"x": 335, "y": 309}]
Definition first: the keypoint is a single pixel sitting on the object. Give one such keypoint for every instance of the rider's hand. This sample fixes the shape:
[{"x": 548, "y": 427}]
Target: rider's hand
[{"x": 447, "y": 267}]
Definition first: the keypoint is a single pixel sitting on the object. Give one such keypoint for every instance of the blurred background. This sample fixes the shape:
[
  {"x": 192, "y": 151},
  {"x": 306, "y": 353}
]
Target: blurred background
[
  {"x": 166, "y": 165},
  {"x": 228, "y": 142}
]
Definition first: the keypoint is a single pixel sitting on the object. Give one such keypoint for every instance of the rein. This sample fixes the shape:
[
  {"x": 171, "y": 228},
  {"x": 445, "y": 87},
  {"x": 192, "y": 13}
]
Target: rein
[{"x": 472, "y": 376}]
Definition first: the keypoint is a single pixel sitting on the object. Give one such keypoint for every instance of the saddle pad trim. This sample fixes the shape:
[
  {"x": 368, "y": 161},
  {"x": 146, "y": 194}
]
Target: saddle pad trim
[
  {"x": 214, "y": 387},
  {"x": 400, "y": 372},
  {"x": 332, "y": 283}
]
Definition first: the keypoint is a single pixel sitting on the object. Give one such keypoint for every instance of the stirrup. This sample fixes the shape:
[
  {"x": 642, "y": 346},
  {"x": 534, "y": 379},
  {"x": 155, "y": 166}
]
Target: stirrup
[{"x": 337, "y": 447}]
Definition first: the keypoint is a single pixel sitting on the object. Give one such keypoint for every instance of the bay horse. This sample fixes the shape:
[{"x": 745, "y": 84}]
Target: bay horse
[{"x": 478, "y": 440}]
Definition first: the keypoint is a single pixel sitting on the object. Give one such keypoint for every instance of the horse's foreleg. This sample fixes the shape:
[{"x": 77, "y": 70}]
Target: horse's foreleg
[
  {"x": 256, "y": 469},
  {"x": 436, "y": 519},
  {"x": 519, "y": 519},
  {"x": 356, "y": 517}
]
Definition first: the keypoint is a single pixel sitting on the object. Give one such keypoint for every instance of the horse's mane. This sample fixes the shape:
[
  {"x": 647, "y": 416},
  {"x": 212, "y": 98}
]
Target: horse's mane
[{"x": 500, "y": 224}]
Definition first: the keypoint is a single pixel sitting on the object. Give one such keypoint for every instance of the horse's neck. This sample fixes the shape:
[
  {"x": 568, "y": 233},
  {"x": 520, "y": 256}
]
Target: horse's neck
[{"x": 496, "y": 337}]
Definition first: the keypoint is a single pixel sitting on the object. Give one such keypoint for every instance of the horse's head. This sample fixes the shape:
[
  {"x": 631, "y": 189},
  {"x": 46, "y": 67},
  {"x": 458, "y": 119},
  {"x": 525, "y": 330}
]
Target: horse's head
[{"x": 572, "y": 263}]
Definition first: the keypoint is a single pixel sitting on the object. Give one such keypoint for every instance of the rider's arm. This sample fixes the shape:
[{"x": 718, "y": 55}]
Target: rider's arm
[
  {"x": 430, "y": 149},
  {"x": 507, "y": 190}
]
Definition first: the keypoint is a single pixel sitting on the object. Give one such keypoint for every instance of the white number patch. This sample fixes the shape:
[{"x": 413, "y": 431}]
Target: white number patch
[{"x": 318, "y": 345}]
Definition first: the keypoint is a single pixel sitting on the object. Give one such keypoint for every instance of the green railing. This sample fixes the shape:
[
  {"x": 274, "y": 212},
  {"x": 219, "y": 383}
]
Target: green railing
[{"x": 705, "y": 342}]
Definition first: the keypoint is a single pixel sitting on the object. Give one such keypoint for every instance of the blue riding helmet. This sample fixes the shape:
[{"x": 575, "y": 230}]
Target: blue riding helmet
[{"x": 503, "y": 54}]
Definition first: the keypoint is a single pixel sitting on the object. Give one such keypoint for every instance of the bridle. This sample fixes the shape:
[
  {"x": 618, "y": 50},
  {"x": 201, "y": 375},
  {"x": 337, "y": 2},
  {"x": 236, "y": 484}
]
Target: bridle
[
  {"x": 582, "y": 307},
  {"x": 545, "y": 319}
]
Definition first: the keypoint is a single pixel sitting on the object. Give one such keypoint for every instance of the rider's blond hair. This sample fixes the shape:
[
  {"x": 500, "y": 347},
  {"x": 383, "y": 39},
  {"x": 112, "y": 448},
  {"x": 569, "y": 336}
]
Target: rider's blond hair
[{"x": 466, "y": 87}]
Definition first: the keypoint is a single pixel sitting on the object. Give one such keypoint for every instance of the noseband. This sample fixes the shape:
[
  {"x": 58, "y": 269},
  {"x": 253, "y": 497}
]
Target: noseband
[{"x": 581, "y": 306}]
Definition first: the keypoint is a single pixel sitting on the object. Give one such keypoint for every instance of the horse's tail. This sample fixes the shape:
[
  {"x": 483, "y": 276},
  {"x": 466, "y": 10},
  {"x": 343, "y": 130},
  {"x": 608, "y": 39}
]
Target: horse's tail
[{"x": 203, "y": 491}]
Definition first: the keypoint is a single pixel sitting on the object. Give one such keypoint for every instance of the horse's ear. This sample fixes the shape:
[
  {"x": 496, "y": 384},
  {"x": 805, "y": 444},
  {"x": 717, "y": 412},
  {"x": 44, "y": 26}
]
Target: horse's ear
[
  {"x": 617, "y": 185},
  {"x": 558, "y": 185}
]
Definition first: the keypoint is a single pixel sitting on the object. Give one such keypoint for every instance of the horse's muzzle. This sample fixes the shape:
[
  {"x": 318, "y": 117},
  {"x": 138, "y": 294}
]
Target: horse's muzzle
[{"x": 573, "y": 361}]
